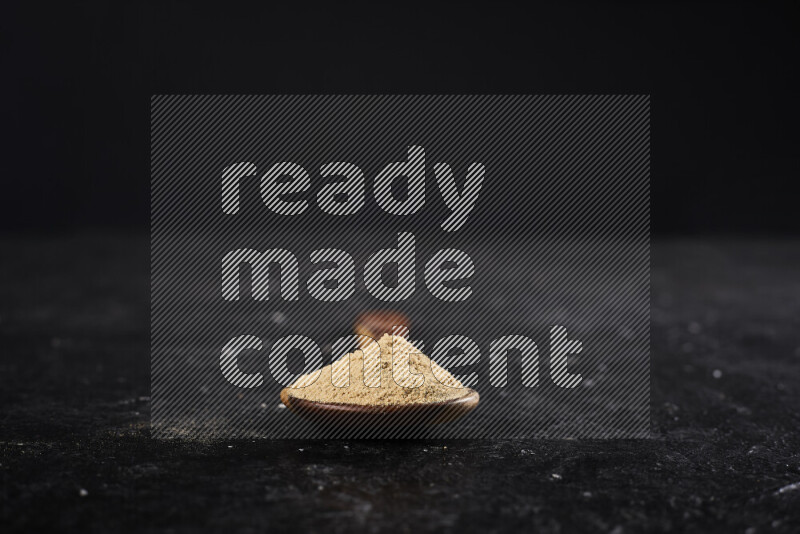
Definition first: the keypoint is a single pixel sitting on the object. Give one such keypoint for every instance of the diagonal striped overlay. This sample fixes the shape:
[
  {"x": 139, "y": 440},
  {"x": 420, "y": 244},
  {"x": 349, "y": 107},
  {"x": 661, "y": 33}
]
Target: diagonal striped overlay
[{"x": 559, "y": 236}]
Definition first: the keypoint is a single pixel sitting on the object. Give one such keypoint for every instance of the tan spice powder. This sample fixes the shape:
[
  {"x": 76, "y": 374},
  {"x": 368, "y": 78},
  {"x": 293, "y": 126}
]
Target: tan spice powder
[{"x": 377, "y": 375}]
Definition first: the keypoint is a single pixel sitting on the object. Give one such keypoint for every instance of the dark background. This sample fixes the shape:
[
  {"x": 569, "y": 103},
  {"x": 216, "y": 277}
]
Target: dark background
[
  {"x": 76, "y": 451},
  {"x": 77, "y": 78}
]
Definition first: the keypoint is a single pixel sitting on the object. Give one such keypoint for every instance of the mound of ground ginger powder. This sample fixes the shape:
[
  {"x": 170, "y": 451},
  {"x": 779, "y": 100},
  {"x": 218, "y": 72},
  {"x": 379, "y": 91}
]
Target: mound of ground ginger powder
[{"x": 389, "y": 372}]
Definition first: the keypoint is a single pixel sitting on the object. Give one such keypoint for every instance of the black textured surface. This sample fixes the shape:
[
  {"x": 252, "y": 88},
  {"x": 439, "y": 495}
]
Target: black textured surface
[{"x": 75, "y": 451}]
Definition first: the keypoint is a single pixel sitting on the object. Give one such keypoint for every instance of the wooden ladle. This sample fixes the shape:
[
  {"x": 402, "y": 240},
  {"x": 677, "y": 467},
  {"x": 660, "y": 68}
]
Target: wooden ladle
[{"x": 395, "y": 415}]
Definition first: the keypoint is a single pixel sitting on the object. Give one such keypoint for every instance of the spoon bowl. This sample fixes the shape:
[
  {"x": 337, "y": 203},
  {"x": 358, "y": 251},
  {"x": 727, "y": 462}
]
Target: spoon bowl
[{"x": 393, "y": 415}]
